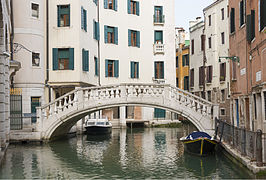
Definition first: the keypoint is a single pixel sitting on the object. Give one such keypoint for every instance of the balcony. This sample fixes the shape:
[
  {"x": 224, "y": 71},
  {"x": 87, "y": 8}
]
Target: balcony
[
  {"x": 158, "y": 48},
  {"x": 158, "y": 20}
]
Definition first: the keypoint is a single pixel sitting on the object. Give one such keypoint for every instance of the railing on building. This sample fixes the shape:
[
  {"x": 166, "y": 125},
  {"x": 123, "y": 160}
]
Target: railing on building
[
  {"x": 158, "y": 20},
  {"x": 247, "y": 143},
  {"x": 16, "y": 122},
  {"x": 158, "y": 48}
]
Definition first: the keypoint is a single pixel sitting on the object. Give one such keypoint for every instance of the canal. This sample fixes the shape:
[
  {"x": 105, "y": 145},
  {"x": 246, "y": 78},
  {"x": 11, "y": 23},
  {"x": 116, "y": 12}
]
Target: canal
[{"x": 150, "y": 153}]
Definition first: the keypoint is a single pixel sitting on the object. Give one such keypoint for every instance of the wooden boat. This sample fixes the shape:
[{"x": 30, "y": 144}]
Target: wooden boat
[
  {"x": 98, "y": 126},
  {"x": 199, "y": 143}
]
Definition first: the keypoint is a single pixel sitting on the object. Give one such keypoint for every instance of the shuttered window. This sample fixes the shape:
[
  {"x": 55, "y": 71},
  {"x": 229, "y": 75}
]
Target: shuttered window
[
  {"x": 158, "y": 14},
  {"x": 158, "y": 37},
  {"x": 222, "y": 13},
  {"x": 210, "y": 42},
  {"x": 177, "y": 81},
  {"x": 209, "y": 74},
  {"x": 111, "y": 68},
  {"x": 85, "y": 60},
  {"x": 96, "y": 2},
  {"x": 159, "y": 113},
  {"x": 83, "y": 19},
  {"x": 222, "y": 38},
  {"x": 63, "y": 15},
  {"x": 191, "y": 77},
  {"x": 232, "y": 20},
  {"x": 192, "y": 46},
  {"x": 133, "y": 7},
  {"x": 133, "y": 38},
  {"x": 96, "y": 30},
  {"x": 262, "y": 14},
  {"x": 63, "y": 59},
  {"x": 111, "y": 34},
  {"x": 201, "y": 75},
  {"x": 210, "y": 20},
  {"x": 96, "y": 66},
  {"x": 159, "y": 70},
  {"x": 176, "y": 61},
  {"x": 242, "y": 12},
  {"x": 202, "y": 42},
  {"x": 185, "y": 60},
  {"x": 110, "y": 4},
  {"x": 186, "y": 83},
  {"x": 134, "y": 69},
  {"x": 222, "y": 71}
]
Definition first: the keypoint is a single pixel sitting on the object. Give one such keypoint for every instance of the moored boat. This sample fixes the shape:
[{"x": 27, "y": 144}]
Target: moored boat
[
  {"x": 199, "y": 143},
  {"x": 98, "y": 126}
]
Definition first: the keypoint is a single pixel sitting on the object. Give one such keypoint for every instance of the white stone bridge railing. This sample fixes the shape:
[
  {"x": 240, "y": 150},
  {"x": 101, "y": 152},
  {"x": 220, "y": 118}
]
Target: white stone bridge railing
[{"x": 93, "y": 98}]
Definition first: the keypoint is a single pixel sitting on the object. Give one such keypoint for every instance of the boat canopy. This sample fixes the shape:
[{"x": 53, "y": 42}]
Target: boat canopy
[{"x": 196, "y": 135}]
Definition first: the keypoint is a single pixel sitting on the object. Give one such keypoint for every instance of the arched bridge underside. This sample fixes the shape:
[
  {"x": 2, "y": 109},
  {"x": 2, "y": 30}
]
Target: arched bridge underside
[{"x": 57, "y": 117}]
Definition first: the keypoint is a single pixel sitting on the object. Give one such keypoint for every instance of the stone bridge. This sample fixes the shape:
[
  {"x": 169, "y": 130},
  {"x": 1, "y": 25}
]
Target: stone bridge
[{"x": 56, "y": 118}]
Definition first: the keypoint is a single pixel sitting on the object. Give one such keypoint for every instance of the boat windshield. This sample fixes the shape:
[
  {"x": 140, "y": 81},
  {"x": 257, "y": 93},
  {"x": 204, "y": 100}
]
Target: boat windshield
[
  {"x": 100, "y": 123},
  {"x": 90, "y": 123}
]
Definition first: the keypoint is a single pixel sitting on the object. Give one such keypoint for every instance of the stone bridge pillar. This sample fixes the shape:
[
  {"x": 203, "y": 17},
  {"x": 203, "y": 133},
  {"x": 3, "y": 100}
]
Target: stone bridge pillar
[{"x": 123, "y": 122}]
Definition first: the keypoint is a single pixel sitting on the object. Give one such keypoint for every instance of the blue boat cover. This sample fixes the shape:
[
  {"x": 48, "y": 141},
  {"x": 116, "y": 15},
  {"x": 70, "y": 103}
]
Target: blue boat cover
[{"x": 196, "y": 135}]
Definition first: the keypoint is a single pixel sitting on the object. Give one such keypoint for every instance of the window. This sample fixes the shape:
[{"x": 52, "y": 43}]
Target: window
[
  {"x": 158, "y": 37},
  {"x": 264, "y": 94},
  {"x": 185, "y": 60},
  {"x": 111, "y": 34},
  {"x": 96, "y": 2},
  {"x": 232, "y": 20},
  {"x": 209, "y": 95},
  {"x": 210, "y": 42},
  {"x": 134, "y": 69},
  {"x": 159, "y": 70},
  {"x": 177, "y": 85},
  {"x": 36, "y": 59},
  {"x": 202, "y": 42},
  {"x": 63, "y": 59},
  {"x": 186, "y": 83},
  {"x": 210, "y": 20},
  {"x": 222, "y": 112},
  {"x": 158, "y": 14},
  {"x": 85, "y": 60},
  {"x": 96, "y": 66},
  {"x": 159, "y": 113},
  {"x": 96, "y": 30},
  {"x": 222, "y": 37},
  {"x": 83, "y": 19},
  {"x": 191, "y": 77},
  {"x": 176, "y": 61},
  {"x": 201, "y": 75},
  {"x": 133, "y": 38},
  {"x": 35, "y": 10},
  {"x": 251, "y": 26},
  {"x": 110, "y": 4},
  {"x": 111, "y": 68},
  {"x": 222, "y": 71},
  {"x": 133, "y": 7},
  {"x": 192, "y": 46},
  {"x": 262, "y": 14},
  {"x": 242, "y": 12},
  {"x": 209, "y": 74},
  {"x": 35, "y": 102},
  {"x": 63, "y": 15},
  {"x": 222, "y": 95},
  {"x": 222, "y": 13}
]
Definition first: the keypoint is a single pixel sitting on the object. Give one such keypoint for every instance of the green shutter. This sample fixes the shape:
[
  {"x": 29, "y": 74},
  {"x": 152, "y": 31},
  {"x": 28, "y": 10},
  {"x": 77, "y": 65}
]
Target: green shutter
[
  {"x": 96, "y": 66},
  {"x": 188, "y": 59},
  {"x": 82, "y": 18},
  {"x": 85, "y": 20},
  {"x": 68, "y": 12},
  {"x": 128, "y": 7},
  {"x": 87, "y": 60},
  {"x": 83, "y": 59},
  {"x": 94, "y": 29},
  {"x": 105, "y": 4},
  {"x": 138, "y": 39},
  {"x": 137, "y": 8},
  {"x": 105, "y": 34},
  {"x": 183, "y": 60},
  {"x": 155, "y": 70},
  {"x": 106, "y": 67},
  {"x": 58, "y": 16},
  {"x": 162, "y": 68},
  {"x": 71, "y": 58},
  {"x": 55, "y": 59},
  {"x": 129, "y": 37},
  {"x": 248, "y": 29},
  {"x": 115, "y": 5},
  {"x": 131, "y": 69},
  {"x": 116, "y": 65},
  {"x": 252, "y": 24},
  {"x": 116, "y": 35},
  {"x": 137, "y": 69},
  {"x": 98, "y": 31}
]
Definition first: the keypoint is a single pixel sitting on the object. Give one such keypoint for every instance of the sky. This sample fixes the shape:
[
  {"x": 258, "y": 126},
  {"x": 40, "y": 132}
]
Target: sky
[{"x": 187, "y": 10}]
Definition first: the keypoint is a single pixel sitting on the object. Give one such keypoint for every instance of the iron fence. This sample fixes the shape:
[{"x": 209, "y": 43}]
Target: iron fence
[
  {"x": 16, "y": 112},
  {"x": 248, "y": 143}
]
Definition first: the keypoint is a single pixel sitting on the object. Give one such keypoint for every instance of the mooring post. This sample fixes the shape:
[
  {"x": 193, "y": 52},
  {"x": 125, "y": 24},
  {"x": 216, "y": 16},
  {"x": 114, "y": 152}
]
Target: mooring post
[{"x": 259, "y": 148}]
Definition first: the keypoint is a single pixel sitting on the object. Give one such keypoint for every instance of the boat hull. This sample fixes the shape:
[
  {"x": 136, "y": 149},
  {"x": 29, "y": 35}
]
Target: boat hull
[
  {"x": 200, "y": 146},
  {"x": 98, "y": 130}
]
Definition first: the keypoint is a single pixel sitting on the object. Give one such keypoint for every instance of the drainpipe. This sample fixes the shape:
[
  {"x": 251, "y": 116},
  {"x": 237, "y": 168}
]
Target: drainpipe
[
  {"x": 99, "y": 57},
  {"x": 12, "y": 31},
  {"x": 204, "y": 57},
  {"x": 47, "y": 50}
]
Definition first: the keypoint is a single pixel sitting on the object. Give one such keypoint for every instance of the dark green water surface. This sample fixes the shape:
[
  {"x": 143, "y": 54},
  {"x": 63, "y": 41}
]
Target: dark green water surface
[{"x": 154, "y": 153}]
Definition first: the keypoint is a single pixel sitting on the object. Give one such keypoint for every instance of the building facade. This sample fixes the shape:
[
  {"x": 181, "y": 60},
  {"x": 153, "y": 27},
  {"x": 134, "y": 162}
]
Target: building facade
[
  {"x": 182, "y": 59},
  {"x": 209, "y": 70},
  {"x": 5, "y": 31}
]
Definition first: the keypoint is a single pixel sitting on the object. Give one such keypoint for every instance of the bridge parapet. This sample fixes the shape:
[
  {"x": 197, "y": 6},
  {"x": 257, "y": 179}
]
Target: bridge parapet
[{"x": 95, "y": 98}]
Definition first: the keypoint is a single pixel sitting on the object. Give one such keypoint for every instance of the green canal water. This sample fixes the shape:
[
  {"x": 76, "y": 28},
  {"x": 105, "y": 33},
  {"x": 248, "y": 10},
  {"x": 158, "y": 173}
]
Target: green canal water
[{"x": 150, "y": 153}]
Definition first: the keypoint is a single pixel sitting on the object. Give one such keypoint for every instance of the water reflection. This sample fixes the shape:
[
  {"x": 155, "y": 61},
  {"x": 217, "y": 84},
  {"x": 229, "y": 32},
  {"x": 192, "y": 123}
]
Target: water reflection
[{"x": 135, "y": 154}]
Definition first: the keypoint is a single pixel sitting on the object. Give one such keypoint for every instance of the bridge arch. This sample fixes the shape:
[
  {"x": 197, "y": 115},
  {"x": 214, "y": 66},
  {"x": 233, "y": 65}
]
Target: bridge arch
[{"x": 57, "y": 117}]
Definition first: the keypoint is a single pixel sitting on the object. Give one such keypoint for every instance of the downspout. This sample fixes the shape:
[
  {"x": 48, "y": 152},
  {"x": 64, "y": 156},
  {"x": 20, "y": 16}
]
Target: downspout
[
  {"x": 47, "y": 50},
  {"x": 12, "y": 31},
  {"x": 204, "y": 57},
  {"x": 99, "y": 57}
]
